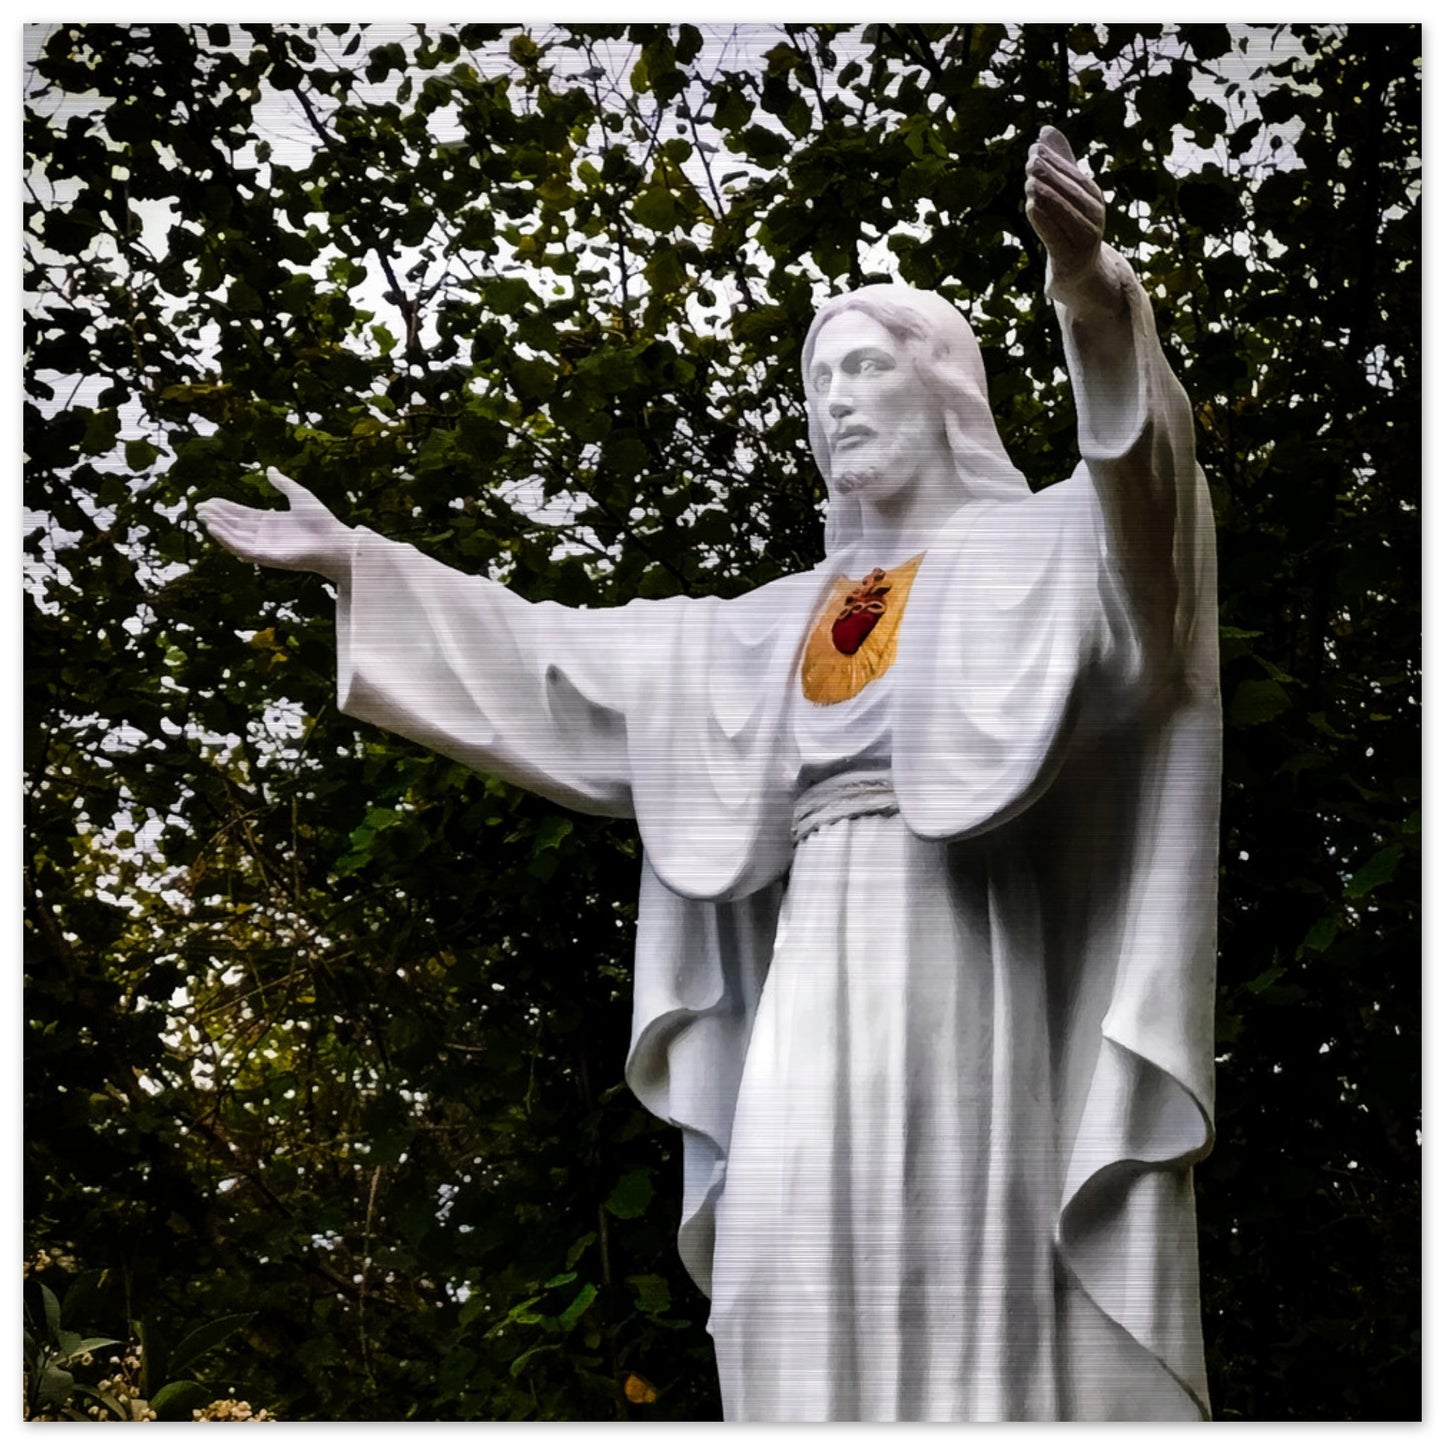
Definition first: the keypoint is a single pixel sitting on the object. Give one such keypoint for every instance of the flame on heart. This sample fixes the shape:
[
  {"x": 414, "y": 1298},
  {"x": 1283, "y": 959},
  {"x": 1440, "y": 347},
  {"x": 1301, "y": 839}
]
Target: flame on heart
[{"x": 862, "y": 608}]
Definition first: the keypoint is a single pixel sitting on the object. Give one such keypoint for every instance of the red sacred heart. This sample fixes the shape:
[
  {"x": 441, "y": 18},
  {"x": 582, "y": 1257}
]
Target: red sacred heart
[
  {"x": 862, "y": 608},
  {"x": 851, "y": 628}
]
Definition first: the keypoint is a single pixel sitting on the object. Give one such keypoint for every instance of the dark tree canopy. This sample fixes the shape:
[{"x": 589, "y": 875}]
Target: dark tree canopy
[{"x": 324, "y": 1032}]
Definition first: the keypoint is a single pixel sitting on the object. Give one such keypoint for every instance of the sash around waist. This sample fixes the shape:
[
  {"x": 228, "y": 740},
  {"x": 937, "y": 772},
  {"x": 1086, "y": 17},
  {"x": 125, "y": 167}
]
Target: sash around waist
[{"x": 845, "y": 795}]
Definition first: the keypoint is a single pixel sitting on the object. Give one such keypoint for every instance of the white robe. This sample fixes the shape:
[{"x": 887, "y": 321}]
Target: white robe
[{"x": 1055, "y": 760}]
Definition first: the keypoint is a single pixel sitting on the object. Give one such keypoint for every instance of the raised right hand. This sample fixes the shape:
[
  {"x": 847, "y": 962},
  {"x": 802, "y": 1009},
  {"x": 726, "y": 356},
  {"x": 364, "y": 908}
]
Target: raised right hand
[{"x": 307, "y": 538}]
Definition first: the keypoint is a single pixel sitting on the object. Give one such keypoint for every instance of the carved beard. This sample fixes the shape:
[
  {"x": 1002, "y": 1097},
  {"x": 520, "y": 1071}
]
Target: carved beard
[
  {"x": 880, "y": 467},
  {"x": 856, "y": 479}
]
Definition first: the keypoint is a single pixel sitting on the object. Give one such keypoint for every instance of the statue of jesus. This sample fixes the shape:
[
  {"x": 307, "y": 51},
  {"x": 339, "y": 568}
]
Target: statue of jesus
[{"x": 925, "y": 947}]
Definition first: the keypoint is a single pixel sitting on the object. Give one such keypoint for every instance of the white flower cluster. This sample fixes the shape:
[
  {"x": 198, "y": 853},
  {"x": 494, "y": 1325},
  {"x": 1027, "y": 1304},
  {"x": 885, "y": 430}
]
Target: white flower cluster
[
  {"x": 123, "y": 1386},
  {"x": 47, "y": 1259},
  {"x": 230, "y": 1410}
]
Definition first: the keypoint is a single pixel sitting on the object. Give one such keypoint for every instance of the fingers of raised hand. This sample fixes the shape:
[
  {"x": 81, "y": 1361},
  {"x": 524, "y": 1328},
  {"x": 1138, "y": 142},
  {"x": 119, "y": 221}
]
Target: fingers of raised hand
[
  {"x": 1063, "y": 205},
  {"x": 1045, "y": 170},
  {"x": 1063, "y": 213},
  {"x": 1056, "y": 142}
]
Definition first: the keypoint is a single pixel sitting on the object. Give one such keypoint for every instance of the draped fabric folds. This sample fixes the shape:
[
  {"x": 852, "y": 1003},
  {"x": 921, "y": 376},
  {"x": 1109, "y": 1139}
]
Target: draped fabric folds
[{"x": 1041, "y": 712}]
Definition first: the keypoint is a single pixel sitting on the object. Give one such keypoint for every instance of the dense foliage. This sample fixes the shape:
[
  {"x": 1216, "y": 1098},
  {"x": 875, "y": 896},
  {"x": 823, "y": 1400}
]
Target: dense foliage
[{"x": 324, "y": 1031}]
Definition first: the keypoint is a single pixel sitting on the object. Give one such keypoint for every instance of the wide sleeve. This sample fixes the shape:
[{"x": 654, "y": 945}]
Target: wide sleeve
[
  {"x": 1136, "y": 979},
  {"x": 1058, "y": 674},
  {"x": 1136, "y": 438},
  {"x": 667, "y": 711},
  {"x": 534, "y": 693},
  {"x": 1156, "y": 527}
]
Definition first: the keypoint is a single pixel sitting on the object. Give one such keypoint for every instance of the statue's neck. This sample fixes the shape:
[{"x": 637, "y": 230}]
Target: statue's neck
[{"x": 904, "y": 523}]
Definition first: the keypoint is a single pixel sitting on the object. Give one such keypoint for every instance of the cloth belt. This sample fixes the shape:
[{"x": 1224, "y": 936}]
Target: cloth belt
[{"x": 845, "y": 795}]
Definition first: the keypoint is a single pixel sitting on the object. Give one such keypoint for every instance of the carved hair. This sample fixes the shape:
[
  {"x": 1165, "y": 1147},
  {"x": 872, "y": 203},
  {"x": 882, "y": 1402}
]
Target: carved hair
[{"x": 945, "y": 355}]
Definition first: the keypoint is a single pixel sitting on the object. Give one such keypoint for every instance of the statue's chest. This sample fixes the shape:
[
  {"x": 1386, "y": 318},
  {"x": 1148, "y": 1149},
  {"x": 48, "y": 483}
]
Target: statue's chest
[{"x": 854, "y": 638}]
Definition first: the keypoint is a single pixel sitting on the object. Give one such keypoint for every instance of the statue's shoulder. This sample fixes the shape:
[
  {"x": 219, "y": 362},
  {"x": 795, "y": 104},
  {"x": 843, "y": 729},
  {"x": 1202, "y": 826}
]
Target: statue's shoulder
[
  {"x": 1063, "y": 506},
  {"x": 772, "y": 600},
  {"x": 783, "y": 593},
  {"x": 1004, "y": 544}
]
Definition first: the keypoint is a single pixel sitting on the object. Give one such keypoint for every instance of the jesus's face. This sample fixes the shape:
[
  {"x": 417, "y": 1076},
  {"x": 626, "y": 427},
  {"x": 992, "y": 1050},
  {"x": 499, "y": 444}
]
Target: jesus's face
[{"x": 881, "y": 424}]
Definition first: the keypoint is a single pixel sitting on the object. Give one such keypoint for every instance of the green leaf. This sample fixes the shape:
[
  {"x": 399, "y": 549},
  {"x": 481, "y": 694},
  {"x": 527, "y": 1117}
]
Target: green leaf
[
  {"x": 140, "y": 455},
  {"x": 523, "y": 1313},
  {"x": 1321, "y": 724},
  {"x": 733, "y": 109},
  {"x": 244, "y": 298},
  {"x": 1265, "y": 980},
  {"x": 1257, "y": 702},
  {"x": 386, "y": 58},
  {"x": 389, "y": 1145},
  {"x": 665, "y": 270},
  {"x": 653, "y": 1295},
  {"x": 107, "y": 1401},
  {"x": 766, "y": 147},
  {"x": 689, "y": 44},
  {"x": 55, "y": 1386},
  {"x": 551, "y": 833},
  {"x": 522, "y": 1360},
  {"x": 1208, "y": 42},
  {"x": 534, "y": 379},
  {"x": 102, "y": 428},
  {"x": 508, "y": 295},
  {"x": 632, "y": 1195},
  {"x": 626, "y": 456},
  {"x": 205, "y": 1338},
  {"x": 1380, "y": 869},
  {"x": 579, "y": 1306},
  {"x": 1277, "y": 673},
  {"x": 155, "y": 1356},
  {"x": 656, "y": 208},
  {"x": 1320, "y": 936},
  {"x": 52, "y": 1313},
  {"x": 178, "y": 1398}
]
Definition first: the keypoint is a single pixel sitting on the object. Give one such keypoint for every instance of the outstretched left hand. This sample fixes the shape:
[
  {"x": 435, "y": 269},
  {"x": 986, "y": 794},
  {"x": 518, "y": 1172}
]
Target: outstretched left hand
[
  {"x": 1064, "y": 206},
  {"x": 306, "y": 538}
]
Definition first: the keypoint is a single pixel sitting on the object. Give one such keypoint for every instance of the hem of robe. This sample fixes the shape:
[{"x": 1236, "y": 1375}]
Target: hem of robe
[{"x": 682, "y": 1053}]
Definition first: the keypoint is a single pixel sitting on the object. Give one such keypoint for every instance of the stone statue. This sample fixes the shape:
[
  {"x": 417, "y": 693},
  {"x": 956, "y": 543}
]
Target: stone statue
[{"x": 926, "y": 941}]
